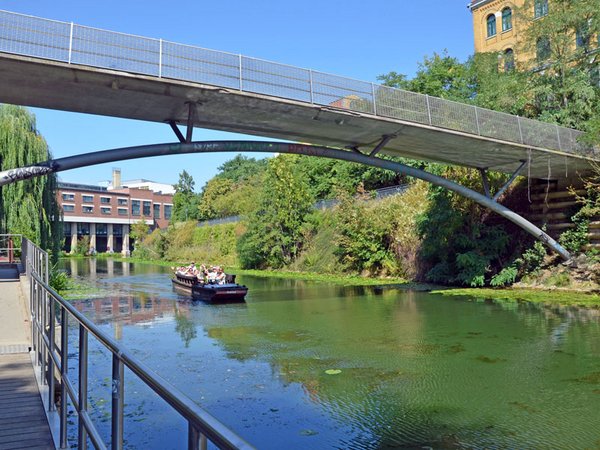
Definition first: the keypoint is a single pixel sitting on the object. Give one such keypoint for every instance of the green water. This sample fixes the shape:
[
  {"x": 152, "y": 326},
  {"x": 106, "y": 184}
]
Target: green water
[{"x": 310, "y": 365}]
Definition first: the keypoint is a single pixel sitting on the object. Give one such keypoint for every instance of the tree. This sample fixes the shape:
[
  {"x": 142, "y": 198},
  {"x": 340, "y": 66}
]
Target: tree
[
  {"x": 28, "y": 207},
  {"x": 185, "y": 201},
  {"x": 563, "y": 60},
  {"x": 241, "y": 168},
  {"x": 274, "y": 236}
]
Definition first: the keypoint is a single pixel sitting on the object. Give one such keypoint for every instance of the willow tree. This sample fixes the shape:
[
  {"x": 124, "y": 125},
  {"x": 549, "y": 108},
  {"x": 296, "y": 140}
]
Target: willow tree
[{"x": 27, "y": 207}]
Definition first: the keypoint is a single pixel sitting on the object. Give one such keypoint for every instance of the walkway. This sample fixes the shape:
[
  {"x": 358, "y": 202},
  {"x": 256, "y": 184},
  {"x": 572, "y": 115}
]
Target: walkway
[{"x": 23, "y": 423}]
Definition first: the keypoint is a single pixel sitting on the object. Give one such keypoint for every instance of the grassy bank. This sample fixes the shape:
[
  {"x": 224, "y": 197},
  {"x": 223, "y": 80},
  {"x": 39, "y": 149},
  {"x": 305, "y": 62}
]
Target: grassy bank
[{"x": 550, "y": 297}]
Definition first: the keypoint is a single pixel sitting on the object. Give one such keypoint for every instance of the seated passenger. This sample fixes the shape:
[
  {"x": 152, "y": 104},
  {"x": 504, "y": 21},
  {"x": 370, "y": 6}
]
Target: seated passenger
[
  {"x": 212, "y": 275},
  {"x": 220, "y": 278}
]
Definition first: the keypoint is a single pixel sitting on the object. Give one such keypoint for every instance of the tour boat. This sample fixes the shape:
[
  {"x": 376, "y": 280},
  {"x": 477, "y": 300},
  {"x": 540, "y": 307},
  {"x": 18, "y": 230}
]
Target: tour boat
[{"x": 228, "y": 292}]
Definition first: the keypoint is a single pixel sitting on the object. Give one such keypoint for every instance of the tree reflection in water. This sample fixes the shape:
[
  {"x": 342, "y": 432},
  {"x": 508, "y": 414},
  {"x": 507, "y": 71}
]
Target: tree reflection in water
[{"x": 185, "y": 326}]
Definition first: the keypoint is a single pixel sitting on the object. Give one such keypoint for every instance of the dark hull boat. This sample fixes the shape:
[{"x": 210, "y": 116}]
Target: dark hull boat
[{"x": 216, "y": 293}]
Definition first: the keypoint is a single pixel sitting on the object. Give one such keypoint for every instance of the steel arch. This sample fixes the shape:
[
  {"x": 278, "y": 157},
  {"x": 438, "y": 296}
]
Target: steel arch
[{"x": 143, "y": 151}]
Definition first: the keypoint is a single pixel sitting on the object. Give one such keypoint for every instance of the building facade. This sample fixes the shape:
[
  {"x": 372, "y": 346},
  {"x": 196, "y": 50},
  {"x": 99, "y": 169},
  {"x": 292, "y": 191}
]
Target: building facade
[
  {"x": 499, "y": 27},
  {"x": 106, "y": 216}
]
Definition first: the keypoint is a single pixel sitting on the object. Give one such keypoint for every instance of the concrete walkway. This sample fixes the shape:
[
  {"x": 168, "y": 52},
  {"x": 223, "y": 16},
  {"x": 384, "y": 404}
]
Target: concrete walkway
[{"x": 23, "y": 422}]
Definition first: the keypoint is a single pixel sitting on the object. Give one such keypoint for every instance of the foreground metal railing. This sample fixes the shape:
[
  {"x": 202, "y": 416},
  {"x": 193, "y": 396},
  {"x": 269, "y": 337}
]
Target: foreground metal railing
[
  {"x": 50, "y": 314},
  {"x": 76, "y": 44}
]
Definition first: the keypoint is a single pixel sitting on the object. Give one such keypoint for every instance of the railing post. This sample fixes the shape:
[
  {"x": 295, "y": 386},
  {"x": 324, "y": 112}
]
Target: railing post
[
  {"x": 83, "y": 387},
  {"x": 51, "y": 333},
  {"x": 71, "y": 43},
  {"x": 310, "y": 82},
  {"x": 64, "y": 372},
  {"x": 193, "y": 437},
  {"x": 520, "y": 130},
  {"x": 44, "y": 319},
  {"x": 428, "y": 109},
  {"x": 160, "y": 58},
  {"x": 374, "y": 101},
  {"x": 117, "y": 403},
  {"x": 241, "y": 81}
]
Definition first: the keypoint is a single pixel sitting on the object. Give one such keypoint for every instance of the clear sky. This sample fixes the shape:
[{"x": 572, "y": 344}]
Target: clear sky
[{"x": 354, "y": 38}]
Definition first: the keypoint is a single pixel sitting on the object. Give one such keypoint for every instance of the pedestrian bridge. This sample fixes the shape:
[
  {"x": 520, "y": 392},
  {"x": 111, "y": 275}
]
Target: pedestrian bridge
[{"x": 60, "y": 65}]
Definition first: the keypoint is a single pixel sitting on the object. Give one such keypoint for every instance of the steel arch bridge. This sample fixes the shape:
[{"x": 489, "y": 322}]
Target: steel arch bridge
[{"x": 126, "y": 153}]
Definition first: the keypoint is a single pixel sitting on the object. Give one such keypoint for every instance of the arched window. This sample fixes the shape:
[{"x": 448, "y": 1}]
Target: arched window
[
  {"x": 540, "y": 8},
  {"x": 506, "y": 19},
  {"x": 543, "y": 49},
  {"x": 509, "y": 60},
  {"x": 491, "y": 25}
]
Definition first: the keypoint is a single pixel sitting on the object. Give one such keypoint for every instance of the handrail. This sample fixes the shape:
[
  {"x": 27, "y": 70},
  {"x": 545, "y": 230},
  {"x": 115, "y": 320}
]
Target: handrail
[
  {"x": 93, "y": 47},
  {"x": 45, "y": 304}
]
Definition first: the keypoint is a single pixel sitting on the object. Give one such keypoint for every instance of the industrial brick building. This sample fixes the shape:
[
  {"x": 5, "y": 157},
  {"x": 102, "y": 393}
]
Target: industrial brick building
[{"x": 106, "y": 214}]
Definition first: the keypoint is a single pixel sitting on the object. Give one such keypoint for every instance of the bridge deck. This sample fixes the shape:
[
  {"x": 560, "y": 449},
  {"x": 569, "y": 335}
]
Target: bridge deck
[
  {"x": 23, "y": 422},
  {"x": 59, "y": 65}
]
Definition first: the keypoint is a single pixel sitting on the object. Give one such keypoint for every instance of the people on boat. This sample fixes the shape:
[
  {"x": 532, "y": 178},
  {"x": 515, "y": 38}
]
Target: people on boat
[{"x": 220, "y": 277}]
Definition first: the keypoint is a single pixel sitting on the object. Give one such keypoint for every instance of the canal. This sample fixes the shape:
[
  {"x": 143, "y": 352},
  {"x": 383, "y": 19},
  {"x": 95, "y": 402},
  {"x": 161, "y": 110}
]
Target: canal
[{"x": 310, "y": 365}]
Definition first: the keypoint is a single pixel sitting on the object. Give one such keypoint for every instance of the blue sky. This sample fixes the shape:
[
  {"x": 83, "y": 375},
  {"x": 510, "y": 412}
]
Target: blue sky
[{"x": 352, "y": 38}]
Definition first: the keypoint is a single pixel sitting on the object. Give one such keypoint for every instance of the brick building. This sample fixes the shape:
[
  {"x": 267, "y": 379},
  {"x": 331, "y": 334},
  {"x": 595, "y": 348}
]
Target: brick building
[{"x": 106, "y": 214}]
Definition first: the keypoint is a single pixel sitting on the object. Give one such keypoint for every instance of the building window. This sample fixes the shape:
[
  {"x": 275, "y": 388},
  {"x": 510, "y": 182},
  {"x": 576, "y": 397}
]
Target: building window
[
  {"x": 118, "y": 230},
  {"x": 122, "y": 211},
  {"x": 105, "y": 200},
  {"x": 105, "y": 210},
  {"x": 83, "y": 229},
  {"x": 67, "y": 228},
  {"x": 582, "y": 36},
  {"x": 122, "y": 201},
  {"x": 543, "y": 49},
  {"x": 509, "y": 60},
  {"x": 68, "y": 197},
  {"x": 87, "y": 209},
  {"x": 157, "y": 210},
  {"x": 135, "y": 207},
  {"x": 68, "y": 208},
  {"x": 87, "y": 198},
  {"x": 168, "y": 209},
  {"x": 101, "y": 229},
  {"x": 147, "y": 206},
  {"x": 540, "y": 8},
  {"x": 506, "y": 19},
  {"x": 491, "y": 25}
]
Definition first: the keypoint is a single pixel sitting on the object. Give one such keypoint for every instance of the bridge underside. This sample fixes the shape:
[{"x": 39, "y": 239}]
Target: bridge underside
[{"x": 56, "y": 85}]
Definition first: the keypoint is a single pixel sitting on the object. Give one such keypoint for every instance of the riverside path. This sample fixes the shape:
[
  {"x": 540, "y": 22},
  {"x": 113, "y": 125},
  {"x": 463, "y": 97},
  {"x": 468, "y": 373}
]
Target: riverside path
[{"x": 23, "y": 422}]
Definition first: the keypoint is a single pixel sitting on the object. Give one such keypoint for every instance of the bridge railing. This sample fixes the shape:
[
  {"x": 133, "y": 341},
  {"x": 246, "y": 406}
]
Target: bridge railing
[
  {"x": 76, "y": 44},
  {"x": 51, "y": 320}
]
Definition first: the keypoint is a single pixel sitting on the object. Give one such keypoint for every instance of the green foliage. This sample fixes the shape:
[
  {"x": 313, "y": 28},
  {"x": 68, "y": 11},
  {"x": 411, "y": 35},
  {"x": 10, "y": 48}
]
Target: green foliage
[
  {"x": 532, "y": 259},
  {"x": 274, "y": 234},
  {"x": 241, "y": 168},
  {"x": 458, "y": 246},
  {"x": 361, "y": 238},
  {"x": 28, "y": 207},
  {"x": 505, "y": 277},
  {"x": 59, "y": 280},
  {"x": 185, "y": 201},
  {"x": 83, "y": 246},
  {"x": 379, "y": 237}
]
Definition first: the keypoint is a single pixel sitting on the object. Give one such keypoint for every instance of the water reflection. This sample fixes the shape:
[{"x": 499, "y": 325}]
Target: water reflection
[{"x": 310, "y": 365}]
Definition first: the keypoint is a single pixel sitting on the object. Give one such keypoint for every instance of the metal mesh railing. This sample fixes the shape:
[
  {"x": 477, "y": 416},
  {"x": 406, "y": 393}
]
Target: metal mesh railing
[
  {"x": 53, "y": 320},
  {"x": 66, "y": 42}
]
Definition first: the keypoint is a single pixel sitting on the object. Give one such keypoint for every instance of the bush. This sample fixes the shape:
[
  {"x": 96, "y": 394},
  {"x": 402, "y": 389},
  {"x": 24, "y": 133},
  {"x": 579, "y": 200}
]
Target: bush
[{"x": 59, "y": 280}]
